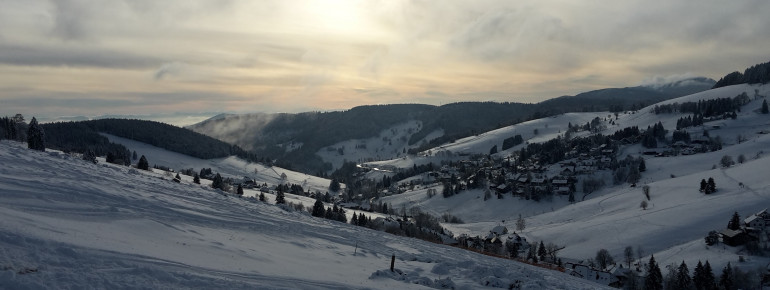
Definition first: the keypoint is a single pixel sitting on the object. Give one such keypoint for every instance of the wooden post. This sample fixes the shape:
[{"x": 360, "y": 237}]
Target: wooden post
[{"x": 392, "y": 261}]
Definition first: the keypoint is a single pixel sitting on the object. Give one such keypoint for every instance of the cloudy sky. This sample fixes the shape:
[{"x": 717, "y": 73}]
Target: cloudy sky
[{"x": 94, "y": 57}]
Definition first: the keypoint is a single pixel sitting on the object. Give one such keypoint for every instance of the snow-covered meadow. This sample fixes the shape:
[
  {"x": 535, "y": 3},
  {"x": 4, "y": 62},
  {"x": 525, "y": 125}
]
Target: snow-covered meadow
[{"x": 69, "y": 224}]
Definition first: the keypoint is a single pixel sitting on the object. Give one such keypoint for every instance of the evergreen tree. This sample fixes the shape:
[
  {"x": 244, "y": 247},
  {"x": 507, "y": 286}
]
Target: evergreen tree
[
  {"x": 177, "y": 178},
  {"x": 329, "y": 214},
  {"x": 217, "y": 183},
  {"x": 341, "y": 217},
  {"x": 334, "y": 185},
  {"x": 712, "y": 187},
  {"x": 683, "y": 280},
  {"x": 571, "y": 197},
  {"x": 35, "y": 136},
  {"x": 318, "y": 209},
  {"x": 764, "y": 107},
  {"x": 196, "y": 178},
  {"x": 143, "y": 164},
  {"x": 654, "y": 279},
  {"x": 133, "y": 156},
  {"x": 90, "y": 156},
  {"x": 279, "y": 196},
  {"x": 698, "y": 277},
  {"x": 262, "y": 197},
  {"x": 703, "y": 185},
  {"x": 541, "y": 252},
  {"x": 239, "y": 191},
  {"x": 735, "y": 222},
  {"x": 354, "y": 219},
  {"x": 726, "y": 280},
  {"x": 709, "y": 281},
  {"x": 642, "y": 165}
]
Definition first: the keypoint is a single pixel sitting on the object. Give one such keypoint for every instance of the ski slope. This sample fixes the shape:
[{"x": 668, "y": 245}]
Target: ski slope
[{"x": 69, "y": 224}]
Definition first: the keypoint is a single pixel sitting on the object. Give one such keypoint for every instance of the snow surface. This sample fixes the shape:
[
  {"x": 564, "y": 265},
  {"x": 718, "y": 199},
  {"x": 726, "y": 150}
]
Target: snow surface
[
  {"x": 679, "y": 217},
  {"x": 69, "y": 224}
]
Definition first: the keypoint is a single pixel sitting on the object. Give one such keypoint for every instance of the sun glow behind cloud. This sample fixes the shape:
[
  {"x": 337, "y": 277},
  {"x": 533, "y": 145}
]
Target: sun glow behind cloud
[{"x": 92, "y": 57}]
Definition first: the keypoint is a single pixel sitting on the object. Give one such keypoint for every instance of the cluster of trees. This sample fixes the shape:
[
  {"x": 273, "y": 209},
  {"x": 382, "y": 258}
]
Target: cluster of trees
[
  {"x": 629, "y": 170},
  {"x": 756, "y": 74},
  {"x": 331, "y": 213},
  {"x": 706, "y": 108},
  {"x": 653, "y": 134},
  {"x": 13, "y": 128},
  {"x": 512, "y": 141},
  {"x": 708, "y": 187},
  {"x": 689, "y": 121}
]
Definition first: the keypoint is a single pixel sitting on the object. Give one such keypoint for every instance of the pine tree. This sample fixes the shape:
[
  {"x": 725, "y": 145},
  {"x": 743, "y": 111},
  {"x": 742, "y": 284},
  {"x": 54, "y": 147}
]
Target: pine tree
[
  {"x": 698, "y": 277},
  {"x": 541, "y": 252},
  {"x": 133, "y": 156},
  {"x": 279, "y": 197},
  {"x": 354, "y": 219},
  {"x": 683, "y": 280},
  {"x": 318, "y": 209},
  {"x": 239, "y": 191},
  {"x": 642, "y": 165},
  {"x": 334, "y": 185},
  {"x": 764, "y": 107},
  {"x": 329, "y": 214},
  {"x": 35, "y": 136},
  {"x": 196, "y": 178},
  {"x": 654, "y": 279},
  {"x": 341, "y": 217},
  {"x": 712, "y": 187},
  {"x": 726, "y": 280},
  {"x": 262, "y": 197},
  {"x": 735, "y": 222},
  {"x": 177, "y": 178},
  {"x": 709, "y": 280},
  {"x": 143, "y": 164},
  {"x": 703, "y": 185},
  {"x": 217, "y": 183}
]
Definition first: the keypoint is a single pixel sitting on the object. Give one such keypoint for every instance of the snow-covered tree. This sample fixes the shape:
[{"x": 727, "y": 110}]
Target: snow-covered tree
[{"x": 726, "y": 279}]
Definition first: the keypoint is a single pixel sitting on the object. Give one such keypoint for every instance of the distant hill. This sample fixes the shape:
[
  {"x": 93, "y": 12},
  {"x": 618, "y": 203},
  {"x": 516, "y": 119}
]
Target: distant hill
[
  {"x": 84, "y": 135},
  {"x": 294, "y": 139},
  {"x": 757, "y": 74}
]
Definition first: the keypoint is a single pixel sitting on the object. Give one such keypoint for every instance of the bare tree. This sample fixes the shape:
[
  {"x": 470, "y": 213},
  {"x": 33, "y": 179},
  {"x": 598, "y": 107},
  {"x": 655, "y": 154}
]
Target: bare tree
[
  {"x": 552, "y": 250},
  {"x": 520, "y": 224},
  {"x": 604, "y": 259},
  {"x": 628, "y": 254}
]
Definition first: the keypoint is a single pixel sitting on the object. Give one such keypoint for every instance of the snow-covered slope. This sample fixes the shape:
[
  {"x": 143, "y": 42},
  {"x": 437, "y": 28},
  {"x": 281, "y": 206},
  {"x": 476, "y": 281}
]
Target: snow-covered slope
[
  {"x": 69, "y": 224},
  {"x": 232, "y": 166},
  {"x": 679, "y": 216}
]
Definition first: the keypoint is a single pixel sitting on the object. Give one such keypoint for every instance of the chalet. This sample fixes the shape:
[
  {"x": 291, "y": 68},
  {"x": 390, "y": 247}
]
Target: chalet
[
  {"x": 759, "y": 221},
  {"x": 734, "y": 238},
  {"x": 590, "y": 274}
]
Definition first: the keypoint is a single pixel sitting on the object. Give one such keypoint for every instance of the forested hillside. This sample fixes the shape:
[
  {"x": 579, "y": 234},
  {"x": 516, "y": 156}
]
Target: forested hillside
[{"x": 83, "y": 136}]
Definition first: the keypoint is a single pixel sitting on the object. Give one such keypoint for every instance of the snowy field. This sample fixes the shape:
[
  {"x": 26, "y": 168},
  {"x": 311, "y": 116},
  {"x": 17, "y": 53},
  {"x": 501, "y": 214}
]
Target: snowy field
[{"x": 69, "y": 224}]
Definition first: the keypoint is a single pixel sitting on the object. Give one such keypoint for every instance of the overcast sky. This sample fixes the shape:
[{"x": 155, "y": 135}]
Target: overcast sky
[{"x": 93, "y": 57}]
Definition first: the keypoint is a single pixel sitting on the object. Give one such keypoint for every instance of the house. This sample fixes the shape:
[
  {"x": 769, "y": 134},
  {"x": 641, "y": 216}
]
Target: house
[
  {"x": 759, "y": 221},
  {"x": 499, "y": 230},
  {"x": 734, "y": 238},
  {"x": 590, "y": 274}
]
